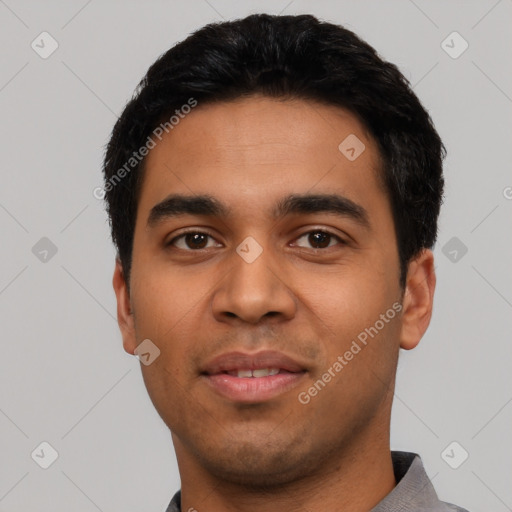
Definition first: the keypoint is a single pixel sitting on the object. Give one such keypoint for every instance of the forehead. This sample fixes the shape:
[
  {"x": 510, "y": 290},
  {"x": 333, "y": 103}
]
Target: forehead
[{"x": 249, "y": 151}]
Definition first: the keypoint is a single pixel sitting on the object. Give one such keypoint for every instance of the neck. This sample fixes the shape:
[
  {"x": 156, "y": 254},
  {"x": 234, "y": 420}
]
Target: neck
[{"x": 353, "y": 481}]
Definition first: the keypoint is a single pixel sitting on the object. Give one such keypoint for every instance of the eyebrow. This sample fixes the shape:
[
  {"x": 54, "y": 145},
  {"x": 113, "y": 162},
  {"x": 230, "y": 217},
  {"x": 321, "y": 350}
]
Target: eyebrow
[{"x": 178, "y": 204}]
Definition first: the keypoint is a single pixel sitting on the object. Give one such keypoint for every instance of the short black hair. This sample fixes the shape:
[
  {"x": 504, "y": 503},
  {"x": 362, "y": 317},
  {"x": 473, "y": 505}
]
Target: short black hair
[{"x": 286, "y": 57}]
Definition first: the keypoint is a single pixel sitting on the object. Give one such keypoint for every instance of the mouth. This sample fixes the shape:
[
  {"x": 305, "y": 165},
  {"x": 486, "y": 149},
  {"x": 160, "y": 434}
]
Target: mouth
[{"x": 252, "y": 378}]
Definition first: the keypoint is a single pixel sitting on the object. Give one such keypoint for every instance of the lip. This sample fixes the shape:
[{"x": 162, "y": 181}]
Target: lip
[
  {"x": 251, "y": 389},
  {"x": 231, "y": 361}
]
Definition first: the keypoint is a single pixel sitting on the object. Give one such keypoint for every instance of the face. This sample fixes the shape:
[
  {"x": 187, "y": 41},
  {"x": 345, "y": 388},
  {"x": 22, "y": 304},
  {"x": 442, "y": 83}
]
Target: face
[{"x": 274, "y": 297}]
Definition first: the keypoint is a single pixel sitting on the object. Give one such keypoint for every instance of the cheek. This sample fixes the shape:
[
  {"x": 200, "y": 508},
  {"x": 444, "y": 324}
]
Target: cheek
[
  {"x": 166, "y": 313},
  {"x": 348, "y": 300},
  {"x": 167, "y": 310},
  {"x": 362, "y": 326},
  {"x": 166, "y": 301}
]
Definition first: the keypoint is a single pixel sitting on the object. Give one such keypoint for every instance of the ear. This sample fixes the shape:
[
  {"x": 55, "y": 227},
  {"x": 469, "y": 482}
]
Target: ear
[
  {"x": 418, "y": 299},
  {"x": 124, "y": 309}
]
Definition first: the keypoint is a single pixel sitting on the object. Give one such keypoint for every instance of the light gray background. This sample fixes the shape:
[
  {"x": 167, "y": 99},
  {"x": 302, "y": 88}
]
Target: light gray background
[{"x": 64, "y": 377}]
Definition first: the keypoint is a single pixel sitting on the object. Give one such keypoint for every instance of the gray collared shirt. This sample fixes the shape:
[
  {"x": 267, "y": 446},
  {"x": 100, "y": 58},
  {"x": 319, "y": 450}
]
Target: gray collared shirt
[{"x": 413, "y": 493}]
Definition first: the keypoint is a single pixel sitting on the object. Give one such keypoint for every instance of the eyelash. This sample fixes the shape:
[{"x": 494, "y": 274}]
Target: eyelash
[{"x": 195, "y": 232}]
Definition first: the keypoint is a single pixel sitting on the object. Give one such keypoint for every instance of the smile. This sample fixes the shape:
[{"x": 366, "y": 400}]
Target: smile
[{"x": 252, "y": 378}]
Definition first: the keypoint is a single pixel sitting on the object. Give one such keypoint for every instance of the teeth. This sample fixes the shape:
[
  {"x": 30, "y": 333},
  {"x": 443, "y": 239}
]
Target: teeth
[
  {"x": 261, "y": 372},
  {"x": 265, "y": 372}
]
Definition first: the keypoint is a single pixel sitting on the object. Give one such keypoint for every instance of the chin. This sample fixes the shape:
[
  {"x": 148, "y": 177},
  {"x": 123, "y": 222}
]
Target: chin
[
  {"x": 258, "y": 478},
  {"x": 259, "y": 467}
]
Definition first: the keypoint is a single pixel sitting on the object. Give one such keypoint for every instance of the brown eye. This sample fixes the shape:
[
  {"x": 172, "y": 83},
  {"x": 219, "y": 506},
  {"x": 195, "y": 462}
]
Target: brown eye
[
  {"x": 192, "y": 240},
  {"x": 319, "y": 239}
]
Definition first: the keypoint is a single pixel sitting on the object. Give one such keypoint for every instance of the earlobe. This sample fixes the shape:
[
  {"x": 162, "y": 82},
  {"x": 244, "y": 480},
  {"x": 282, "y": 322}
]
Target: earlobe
[
  {"x": 124, "y": 309},
  {"x": 418, "y": 299}
]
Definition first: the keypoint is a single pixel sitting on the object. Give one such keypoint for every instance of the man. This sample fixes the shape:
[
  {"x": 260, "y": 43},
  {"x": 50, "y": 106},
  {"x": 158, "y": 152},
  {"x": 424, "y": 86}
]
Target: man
[{"x": 273, "y": 191}]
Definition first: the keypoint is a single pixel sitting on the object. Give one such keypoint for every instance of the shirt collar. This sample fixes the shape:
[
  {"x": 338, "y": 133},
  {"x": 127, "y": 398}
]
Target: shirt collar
[{"x": 413, "y": 490}]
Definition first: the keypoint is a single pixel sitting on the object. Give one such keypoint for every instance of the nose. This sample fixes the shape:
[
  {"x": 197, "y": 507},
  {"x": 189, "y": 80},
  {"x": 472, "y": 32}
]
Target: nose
[{"x": 253, "y": 291}]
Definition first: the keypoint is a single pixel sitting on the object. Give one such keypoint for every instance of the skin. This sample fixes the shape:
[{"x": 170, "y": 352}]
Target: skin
[{"x": 306, "y": 301}]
